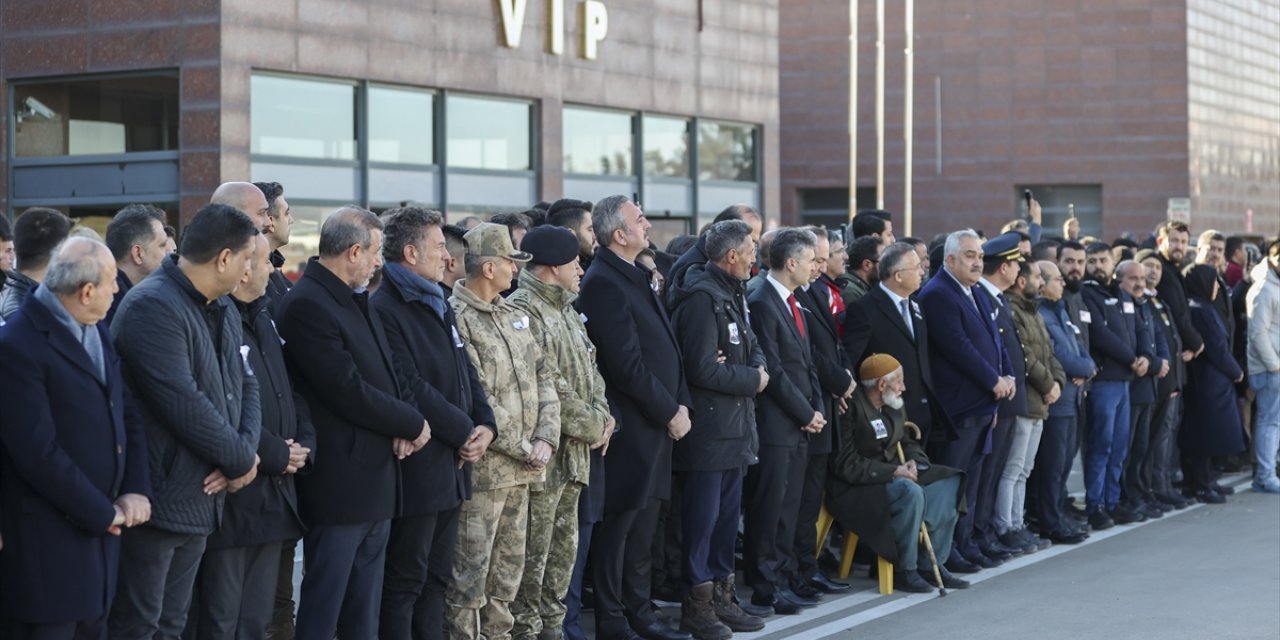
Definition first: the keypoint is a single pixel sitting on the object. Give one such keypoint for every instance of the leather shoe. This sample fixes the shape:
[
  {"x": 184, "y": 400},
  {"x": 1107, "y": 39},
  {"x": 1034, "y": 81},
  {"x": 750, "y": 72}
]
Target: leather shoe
[
  {"x": 1174, "y": 500},
  {"x": 1151, "y": 511},
  {"x": 1124, "y": 515},
  {"x": 753, "y": 609},
  {"x": 806, "y": 591},
  {"x": 777, "y": 605},
  {"x": 827, "y": 585},
  {"x": 910, "y": 581},
  {"x": 994, "y": 549},
  {"x": 655, "y": 630},
  {"x": 1100, "y": 521},
  {"x": 957, "y": 564},
  {"x": 803, "y": 602},
  {"x": 949, "y": 581},
  {"x": 1066, "y": 538},
  {"x": 1210, "y": 497},
  {"x": 983, "y": 560},
  {"x": 1012, "y": 540},
  {"x": 1223, "y": 489}
]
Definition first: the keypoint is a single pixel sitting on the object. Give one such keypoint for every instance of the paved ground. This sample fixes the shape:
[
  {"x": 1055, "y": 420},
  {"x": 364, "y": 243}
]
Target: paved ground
[{"x": 1206, "y": 572}]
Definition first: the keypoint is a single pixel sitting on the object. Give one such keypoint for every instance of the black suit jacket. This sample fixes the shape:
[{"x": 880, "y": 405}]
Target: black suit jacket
[
  {"x": 892, "y": 337},
  {"x": 1017, "y": 406},
  {"x": 831, "y": 364},
  {"x": 640, "y": 361},
  {"x": 793, "y": 393},
  {"x": 443, "y": 381},
  {"x": 70, "y": 445},
  {"x": 340, "y": 363}
]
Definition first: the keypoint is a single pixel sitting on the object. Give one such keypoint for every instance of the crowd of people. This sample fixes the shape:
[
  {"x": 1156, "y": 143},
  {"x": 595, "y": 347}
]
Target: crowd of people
[{"x": 481, "y": 429}]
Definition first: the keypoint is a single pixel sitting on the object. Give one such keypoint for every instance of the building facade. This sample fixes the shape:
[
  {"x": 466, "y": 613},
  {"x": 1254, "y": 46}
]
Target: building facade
[
  {"x": 1113, "y": 107},
  {"x": 470, "y": 106}
]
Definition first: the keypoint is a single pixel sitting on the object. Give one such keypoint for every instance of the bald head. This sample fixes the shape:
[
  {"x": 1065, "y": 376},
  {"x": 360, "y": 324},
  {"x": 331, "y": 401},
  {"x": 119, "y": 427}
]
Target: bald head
[
  {"x": 248, "y": 198},
  {"x": 82, "y": 273}
]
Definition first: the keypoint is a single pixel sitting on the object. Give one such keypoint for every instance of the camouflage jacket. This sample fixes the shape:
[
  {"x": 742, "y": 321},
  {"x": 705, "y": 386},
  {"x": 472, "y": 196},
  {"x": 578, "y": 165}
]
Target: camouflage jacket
[
  {"x": 517, "y": 381},
  {"x": 852, "y": 287},
  {"x": 584, "y": 412}
]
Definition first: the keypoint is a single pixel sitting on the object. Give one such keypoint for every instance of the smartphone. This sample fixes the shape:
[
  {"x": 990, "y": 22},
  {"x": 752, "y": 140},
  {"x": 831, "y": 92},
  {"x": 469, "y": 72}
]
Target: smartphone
[{"x": 1026, "y": 195}]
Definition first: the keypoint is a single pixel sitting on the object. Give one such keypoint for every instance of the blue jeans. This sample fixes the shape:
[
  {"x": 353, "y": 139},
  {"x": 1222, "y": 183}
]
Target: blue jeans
[
  {"x": 1266, "y": 428},
  {"x": 1108, "y": 443}
]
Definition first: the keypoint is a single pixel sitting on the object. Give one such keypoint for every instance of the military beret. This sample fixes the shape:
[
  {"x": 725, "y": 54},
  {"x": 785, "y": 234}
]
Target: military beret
[
  {"x": 1003, "y": 248},
  {"x": 877, "y": 366},
  {"x": 550, "y": 245}
]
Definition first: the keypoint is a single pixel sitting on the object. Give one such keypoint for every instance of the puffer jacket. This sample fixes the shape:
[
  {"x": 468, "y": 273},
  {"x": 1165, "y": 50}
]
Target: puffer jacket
[
  {"x": 519, "y": 385},
  {"x": 1263, "y": 306},
  {"x": 16, "y": 290},
  {"x": 1043, "y": 369},
  {"x": 571, "y": 358}
]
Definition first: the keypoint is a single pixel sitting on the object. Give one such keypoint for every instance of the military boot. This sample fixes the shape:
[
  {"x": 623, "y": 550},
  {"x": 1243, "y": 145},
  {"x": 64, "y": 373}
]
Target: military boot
[
  {"x": 699, "y": 618},
  {"x": 725, "y": 603}
]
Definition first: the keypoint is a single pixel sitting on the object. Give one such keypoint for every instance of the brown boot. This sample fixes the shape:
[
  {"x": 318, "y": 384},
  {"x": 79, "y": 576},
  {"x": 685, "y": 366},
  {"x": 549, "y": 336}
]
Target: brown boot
[
  {"x": 725, "y": 604},
  {"x": 699, "y": 618}
]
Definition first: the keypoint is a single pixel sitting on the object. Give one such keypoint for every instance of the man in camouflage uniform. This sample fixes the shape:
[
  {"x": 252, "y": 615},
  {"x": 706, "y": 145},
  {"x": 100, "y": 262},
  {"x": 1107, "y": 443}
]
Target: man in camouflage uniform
[
  {"x": 489, "y": 553},
  {"x": 547, "y": 290}
]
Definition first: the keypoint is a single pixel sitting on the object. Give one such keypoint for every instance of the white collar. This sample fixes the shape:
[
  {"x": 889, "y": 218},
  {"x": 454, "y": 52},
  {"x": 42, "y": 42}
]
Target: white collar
[
  {"x": 897, "y": 299},
  {"x": 991, "y": 288},
  {"x": 778, "y": 287}
]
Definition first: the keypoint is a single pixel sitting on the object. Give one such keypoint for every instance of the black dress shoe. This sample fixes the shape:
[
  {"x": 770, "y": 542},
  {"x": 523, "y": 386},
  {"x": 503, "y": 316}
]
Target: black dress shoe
[
  {"x": 1151, "y": 511},
  {"x": 1125, "y": 515},
  {"x": 655, "y": 630},
  {"x": 983, "y": 560},
  {"x": 1100, "y": 521},
  {"x": 1210, "y": 497},
  {"x": 827, "y": 585},
  {"x": 803, "y": 602},
  {"x": 957, "y": 564},
  {"x": 806, "y": 591},
  {"x": 949, "y": 581},
  {"x": 998, "y": 551},
  {"x": 775, "y": 604},
  {"x": 1066, "y": 538},
  {"x": 1224, "y": 490},
  {"x": 910, "y": 581},
  {"x": 759, "y": 611}
]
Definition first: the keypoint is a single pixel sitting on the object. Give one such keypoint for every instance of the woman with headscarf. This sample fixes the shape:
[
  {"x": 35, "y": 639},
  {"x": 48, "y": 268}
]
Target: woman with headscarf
[{"x": 1211, "y": 425}]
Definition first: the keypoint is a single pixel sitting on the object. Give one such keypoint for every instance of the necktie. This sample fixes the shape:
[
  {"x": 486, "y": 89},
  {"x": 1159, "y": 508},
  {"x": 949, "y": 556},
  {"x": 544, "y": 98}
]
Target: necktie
[
  {"x": 795, "y": 313},
  {"x": 906, "y": 317}
]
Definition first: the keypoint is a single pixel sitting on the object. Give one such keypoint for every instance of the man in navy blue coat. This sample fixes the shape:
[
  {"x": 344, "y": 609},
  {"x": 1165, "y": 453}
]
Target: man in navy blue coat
[
  {"x": 971, "y": 373},
  {"x": 72, "y": 472}
]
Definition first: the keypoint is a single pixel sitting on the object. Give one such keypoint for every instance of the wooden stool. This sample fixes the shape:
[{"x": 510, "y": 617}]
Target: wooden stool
[{"x": 884, "y": 568}]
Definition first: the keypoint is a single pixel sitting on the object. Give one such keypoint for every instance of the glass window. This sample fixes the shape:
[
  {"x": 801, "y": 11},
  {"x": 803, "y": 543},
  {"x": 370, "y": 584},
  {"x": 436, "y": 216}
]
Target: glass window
[
  {"x": 1058, "y": 202},
  {"x": 303, "y": 118},
  {"x": 400, "y": 125},
  {"x": 726, "y": 152},
  {"x": 488, "y": 133},
  {"x": 597, "y": 142},
  {"x": 85, "y": 117},
  {"x": 666, "y": 147}
]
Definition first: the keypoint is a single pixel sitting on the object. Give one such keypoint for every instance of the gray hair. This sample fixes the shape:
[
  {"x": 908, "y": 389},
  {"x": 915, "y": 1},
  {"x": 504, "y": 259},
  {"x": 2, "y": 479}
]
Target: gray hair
[
  {"x": 952, "y": 247},
  {"x": 77, "y": 261},
  {"x": 348, "y": 225},
  {"x": 789, "y": 244},
  {"x": 724, "y": 236},
  {"x": 892, "y": 257},
  {"x": 871, "y": 383},
  {"x": 606, "y": 217}
]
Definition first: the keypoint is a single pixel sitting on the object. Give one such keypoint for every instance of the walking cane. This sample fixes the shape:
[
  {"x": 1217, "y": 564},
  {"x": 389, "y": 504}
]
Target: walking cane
[{"x": 924, "y": 531}]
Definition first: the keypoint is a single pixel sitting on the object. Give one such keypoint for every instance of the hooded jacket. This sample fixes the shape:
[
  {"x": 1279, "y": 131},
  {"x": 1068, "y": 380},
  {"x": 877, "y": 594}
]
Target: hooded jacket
[
  {"x": 709, "y": 316},
  {"x": 518, "y": 382},
  {"x": 571, "y": 358}
]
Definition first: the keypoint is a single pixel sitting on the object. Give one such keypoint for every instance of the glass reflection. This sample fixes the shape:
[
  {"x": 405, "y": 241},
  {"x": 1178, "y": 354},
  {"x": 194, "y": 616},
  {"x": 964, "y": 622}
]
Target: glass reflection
[
  {"x": 303, "y": 118},
  {"x": 666, "y": 147},
  {"x": 597, "y": 142},
  {"x": 400, "y": 125},
  {"x": 488, "y": 133}
]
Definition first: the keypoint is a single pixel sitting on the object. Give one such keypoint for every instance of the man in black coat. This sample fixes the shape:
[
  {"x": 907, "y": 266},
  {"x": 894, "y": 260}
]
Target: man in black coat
[
  {"x": 431, "y": 363},
  {"x": 73, "y": 461},
  {"x": 179, "y": 337},
  {"x": 787, "y": 414},
  {"x": 697, "y": 255},
  {"x": 640, "y": 361},
  {"x": 137, "y": 239},
  {"x": 835, "y": 378},
  {"x": 726, "y": 369},
  {"x": 278, "y": 235},
  {"x": 365, "y": 421},
  {"x": 904, "y": 335},
  {"x": 238, "y": 575}
]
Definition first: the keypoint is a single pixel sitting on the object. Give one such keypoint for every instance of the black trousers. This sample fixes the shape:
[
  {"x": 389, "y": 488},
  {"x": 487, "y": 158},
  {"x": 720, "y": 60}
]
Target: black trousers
[
  {"x": 82, "y": 630},
  {"x": 621, "y": 569},
  {"x": 984, "y": 522},
  {"x": 772, "y": 498},
  {"x": 157, "y": 576},
  {"x": 806, "y": 546},
  {"x": 1135, "y": 485},
  {"x": 967, "y": 452},
  {"x": 237, "y": 592},
  {"x": 342, "y": 580},
  {"x": 1160, "y": 458},
  {"x": 419, "y": 568},
  {"x": 667, "y": 551},
  {"x": 282, "y": 614},
  {"x": 1057, "y": 450}
]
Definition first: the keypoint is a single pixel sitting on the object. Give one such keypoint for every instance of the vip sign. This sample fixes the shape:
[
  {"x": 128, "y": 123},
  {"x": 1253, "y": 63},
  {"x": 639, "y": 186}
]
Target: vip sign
[{"x": 594, "y": 16}]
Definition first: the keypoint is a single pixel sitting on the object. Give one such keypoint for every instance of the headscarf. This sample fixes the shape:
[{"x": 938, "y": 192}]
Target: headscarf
[{"x": 1198, "y": 281}]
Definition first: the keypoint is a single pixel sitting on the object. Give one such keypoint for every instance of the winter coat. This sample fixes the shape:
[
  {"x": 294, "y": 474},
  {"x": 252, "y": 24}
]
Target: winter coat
[
  {"x": 1043, "y": 369},
  {"x": 1113, "y": 331},
  {"x": 1071, "y": 354},
  {"x": 518, "y": 382},
  {"x": 1143, "y": 390},
  {"x": 1211, "y": 425},
  {"x": 1263, "y": 304},
  {"x": 571, "y": 358},
  {"x": 16, "y": 290},
  {"x": 709, "y": 316},
  {"x": 196, "y": 394}
]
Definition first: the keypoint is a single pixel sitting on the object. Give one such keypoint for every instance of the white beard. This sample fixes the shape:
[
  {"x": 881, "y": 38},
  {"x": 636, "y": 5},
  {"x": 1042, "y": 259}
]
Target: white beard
[{"x": 891, "y": 400}]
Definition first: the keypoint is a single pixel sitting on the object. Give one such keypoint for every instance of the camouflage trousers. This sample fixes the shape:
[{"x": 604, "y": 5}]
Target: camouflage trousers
[
  {"x": 550, "y": 551},
  {"x": 488, "y": 561}
]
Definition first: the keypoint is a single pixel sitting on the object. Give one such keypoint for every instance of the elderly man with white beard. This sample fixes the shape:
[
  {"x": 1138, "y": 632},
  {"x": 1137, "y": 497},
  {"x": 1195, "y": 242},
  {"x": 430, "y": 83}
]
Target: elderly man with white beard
[{"x": 884, "y": 498}]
